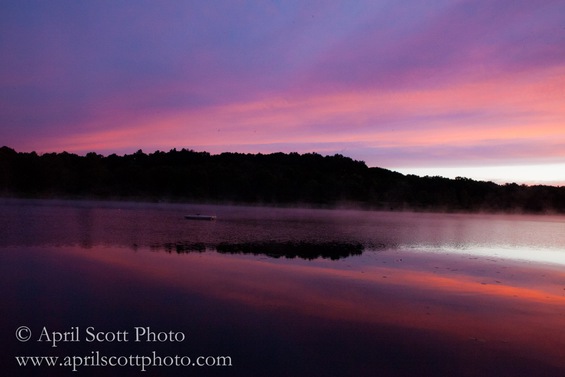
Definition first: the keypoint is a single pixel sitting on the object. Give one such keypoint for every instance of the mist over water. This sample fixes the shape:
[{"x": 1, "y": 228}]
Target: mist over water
[
  {"x": 130, "y": 224},
  {"x": 288, "y": 291}
]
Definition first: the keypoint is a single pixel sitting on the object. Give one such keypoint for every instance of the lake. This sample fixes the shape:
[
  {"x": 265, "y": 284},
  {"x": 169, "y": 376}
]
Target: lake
[{"x": 117, "y": 288}]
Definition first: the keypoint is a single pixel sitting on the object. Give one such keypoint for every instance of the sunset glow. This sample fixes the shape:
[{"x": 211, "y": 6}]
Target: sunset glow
[
  {"x": 464, "y": 88},
  {"x": 387, "y": 292}
]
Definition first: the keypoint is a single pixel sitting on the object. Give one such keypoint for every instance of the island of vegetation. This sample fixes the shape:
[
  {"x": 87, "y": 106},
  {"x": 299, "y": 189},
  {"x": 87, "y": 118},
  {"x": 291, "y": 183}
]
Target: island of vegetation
[{"x": 267, "y": 179}]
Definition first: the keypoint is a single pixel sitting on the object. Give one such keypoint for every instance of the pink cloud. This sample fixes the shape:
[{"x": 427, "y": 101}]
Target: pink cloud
[
  {"x": 478, "y": 115},
  {"x": 381, "y": 81}
]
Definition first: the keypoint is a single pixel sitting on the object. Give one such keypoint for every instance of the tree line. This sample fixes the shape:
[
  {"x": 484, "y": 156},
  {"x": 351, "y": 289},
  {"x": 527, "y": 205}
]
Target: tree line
[
  {"x": 270, "y": 179},
  {"x": 288, "y": 249}
]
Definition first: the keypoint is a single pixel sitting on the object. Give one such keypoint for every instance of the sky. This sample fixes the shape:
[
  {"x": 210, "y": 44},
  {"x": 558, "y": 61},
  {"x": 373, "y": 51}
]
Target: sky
[{"x": 472, "y": 88}]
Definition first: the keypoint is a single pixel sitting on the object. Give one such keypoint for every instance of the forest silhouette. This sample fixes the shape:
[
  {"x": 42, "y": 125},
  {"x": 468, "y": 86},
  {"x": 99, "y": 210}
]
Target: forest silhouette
[
  {"x": 267, "y": 179},
  {"x": 274, "y": 249}
]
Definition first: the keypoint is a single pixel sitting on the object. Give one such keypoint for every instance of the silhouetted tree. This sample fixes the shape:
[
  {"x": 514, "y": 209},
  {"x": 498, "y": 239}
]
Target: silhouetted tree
[{"x": 276, "y": 178}]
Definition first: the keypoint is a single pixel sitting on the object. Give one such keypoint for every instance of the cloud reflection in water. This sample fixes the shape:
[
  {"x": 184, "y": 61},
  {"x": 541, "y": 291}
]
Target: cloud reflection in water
[{"x": 509, "y": 309}]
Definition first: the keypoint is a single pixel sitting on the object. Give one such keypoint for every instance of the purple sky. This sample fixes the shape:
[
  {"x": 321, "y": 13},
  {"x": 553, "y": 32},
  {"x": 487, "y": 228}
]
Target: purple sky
[{"x": 453, "y": 88}]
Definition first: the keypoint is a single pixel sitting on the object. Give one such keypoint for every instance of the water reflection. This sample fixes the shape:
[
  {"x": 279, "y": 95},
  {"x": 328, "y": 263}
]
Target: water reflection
[
  {"x": 289, "y": 249},
  {"x": 301, "y": 249},
  {"x": 396, "y": 311},
  {"x": 179, "y": 247},
  {"x": 92, "y": 224},
  {"x": 290, "y": 292}
]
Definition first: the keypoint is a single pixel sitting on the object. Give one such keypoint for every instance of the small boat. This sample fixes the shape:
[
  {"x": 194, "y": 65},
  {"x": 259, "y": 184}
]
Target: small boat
[{"x": 200, "y": 217}]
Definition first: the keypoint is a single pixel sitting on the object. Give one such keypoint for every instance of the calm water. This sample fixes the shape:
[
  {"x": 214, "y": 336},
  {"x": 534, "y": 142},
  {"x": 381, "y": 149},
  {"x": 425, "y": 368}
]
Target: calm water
[{"x": 281, "y": 292}]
